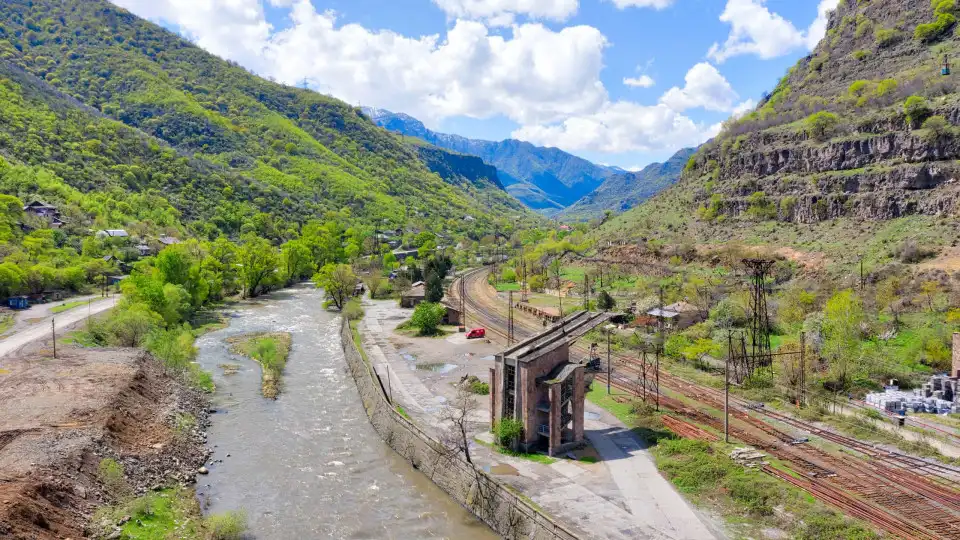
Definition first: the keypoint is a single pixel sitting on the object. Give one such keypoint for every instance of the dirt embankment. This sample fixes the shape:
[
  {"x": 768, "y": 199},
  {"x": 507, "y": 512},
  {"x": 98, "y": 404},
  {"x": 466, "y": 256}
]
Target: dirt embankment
[{"x": 62, "y": 417}]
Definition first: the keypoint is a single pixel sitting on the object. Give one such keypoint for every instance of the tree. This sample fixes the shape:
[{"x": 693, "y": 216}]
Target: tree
[
  {"x": 456, "y": 413},
  {"x": 258, "y": 263},
  {"x": 401, "y": 284},
  {"x": 297, "y": 260},
  {"x": 11, "y": 279},
  {"x": 131, "y": 325},
  {"x": 821, "y": 125},
  {"x": 434, "y": 288},
  {"x": 916, "y": 110},
  {"x": 427, "y": 318},
  {"x": 606, "y": 302},
  {"x": 930, "y": 289},
  {"x": 374, "y": 283},
  {"x": 842, "y": 318},
  {"x": 338, "y": 282}
]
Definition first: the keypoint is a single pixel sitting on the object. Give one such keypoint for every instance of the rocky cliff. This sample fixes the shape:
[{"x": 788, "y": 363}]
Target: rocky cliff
[{"x": 859, "y": 134}]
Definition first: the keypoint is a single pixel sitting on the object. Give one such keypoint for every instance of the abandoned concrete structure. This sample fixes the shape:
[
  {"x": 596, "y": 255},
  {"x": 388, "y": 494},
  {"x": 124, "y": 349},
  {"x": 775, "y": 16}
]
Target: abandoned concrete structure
[
  {"x": 955, "y": 370},
  {"x": 536, "y": 382}
]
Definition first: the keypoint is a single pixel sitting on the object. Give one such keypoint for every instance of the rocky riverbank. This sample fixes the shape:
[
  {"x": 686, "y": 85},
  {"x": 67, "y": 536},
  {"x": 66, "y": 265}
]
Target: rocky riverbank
[{"x": 65, "y": 418}]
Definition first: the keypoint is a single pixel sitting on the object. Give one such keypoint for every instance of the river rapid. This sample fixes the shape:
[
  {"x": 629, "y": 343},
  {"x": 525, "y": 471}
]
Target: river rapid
[{"x": 309, "y": 465}]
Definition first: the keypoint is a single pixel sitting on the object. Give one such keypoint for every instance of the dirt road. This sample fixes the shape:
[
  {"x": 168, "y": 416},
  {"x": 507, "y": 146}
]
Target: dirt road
[{"x": 40, "y": 329}]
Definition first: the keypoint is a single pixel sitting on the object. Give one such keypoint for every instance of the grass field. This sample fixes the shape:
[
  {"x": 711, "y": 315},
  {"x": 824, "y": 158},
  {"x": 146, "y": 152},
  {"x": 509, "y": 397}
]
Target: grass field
[{"x": 67, "y": 306}]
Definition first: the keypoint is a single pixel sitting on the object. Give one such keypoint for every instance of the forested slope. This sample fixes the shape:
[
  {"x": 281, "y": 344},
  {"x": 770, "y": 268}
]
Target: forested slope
[
  {"x": 852, "y": 154},
  {"x": 230, "y": 151}
]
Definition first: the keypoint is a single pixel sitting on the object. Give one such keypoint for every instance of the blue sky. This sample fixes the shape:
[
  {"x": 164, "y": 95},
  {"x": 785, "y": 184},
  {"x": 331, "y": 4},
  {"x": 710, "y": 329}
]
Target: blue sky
[{"x": 548, "y": 71}]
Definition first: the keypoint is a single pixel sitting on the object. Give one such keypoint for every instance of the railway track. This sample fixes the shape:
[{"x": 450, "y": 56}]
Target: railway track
[{"x": 901, "y": 494}]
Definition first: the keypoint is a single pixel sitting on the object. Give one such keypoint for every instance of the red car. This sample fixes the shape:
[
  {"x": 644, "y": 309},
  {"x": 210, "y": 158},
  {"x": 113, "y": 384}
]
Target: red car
[{"x": 477, "y": 333}]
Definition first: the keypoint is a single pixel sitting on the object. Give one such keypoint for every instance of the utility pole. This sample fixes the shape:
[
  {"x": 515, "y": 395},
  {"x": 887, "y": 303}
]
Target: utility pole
[
  {"x": 510, "y": 338},
  {"x": 53, "y": 330},
  {"x": 726, "y": 389},
  {"x": 609, "y": 370},
  {"x": 643, "y": 371},
  {"x": 659, "y": 346},
  {"x": 463, "y": 303},
  {"x": 586, "y": 292},
  {"x": 802, "y": 400}
]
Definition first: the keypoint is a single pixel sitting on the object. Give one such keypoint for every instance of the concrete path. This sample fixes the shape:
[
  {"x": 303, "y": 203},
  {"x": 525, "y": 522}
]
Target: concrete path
[
  {"x": 651, "y": 499},
  {"x": 41, "y": 329}
]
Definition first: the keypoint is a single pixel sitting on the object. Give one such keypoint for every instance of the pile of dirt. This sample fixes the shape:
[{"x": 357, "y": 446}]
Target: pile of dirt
[{"x": 63, "y": 417}]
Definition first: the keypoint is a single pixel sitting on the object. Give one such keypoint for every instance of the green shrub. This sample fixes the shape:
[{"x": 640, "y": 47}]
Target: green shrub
[
  {"x": 226, "y": 526},
  {"x": 427, "y": 318},
  {"x": 858, "y": 88},
  {"x": 508, "y": 430},
  {"x": 861, "y": 54},
  {"x": 916, "y": 109},
  {"x": 113, "y": 477},
  {"x": 480, "y": 388},
  {"x": 712, "y": 209},
  {"x": 935, "y": 30},
  {"x": 821, "y": 126},
  {"x": 885, "y": 87},
  {"x": 864, "y": 25},
  {"x": 936, "y": 127},
  {"x": 353, "y": 310},
  {"x": 508, "y": 275},
  {"x": 945, "y": 6},
  {"x": 885, "y": 36}
]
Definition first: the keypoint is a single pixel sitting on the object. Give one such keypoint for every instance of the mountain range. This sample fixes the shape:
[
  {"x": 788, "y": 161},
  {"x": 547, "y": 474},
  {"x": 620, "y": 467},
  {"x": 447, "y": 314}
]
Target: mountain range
[{"x": 544, "y": 179}]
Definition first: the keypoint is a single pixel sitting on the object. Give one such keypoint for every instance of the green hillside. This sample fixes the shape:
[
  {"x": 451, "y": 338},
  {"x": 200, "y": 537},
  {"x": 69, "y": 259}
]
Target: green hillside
[
  {"x": 853, "y": 154},
  {"x": 230, "y": 152}
]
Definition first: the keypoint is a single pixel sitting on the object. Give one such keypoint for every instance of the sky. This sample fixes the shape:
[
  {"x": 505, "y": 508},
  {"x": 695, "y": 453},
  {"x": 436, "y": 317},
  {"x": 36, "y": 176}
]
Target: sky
[{"x": 618, "y": 82}]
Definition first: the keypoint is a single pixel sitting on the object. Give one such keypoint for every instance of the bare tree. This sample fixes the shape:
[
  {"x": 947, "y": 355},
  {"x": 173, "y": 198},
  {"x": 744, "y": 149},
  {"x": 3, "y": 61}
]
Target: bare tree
[
  {"x": 456, "y": 414},
  {"x": 374, "y": 284}
]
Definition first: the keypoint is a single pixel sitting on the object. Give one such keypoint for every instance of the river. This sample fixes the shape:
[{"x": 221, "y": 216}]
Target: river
[{"x": 309, "y": 465}]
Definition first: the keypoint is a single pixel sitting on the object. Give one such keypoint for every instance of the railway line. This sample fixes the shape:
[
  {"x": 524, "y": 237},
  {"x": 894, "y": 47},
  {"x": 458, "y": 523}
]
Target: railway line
[{"x": 904, "y": 495}]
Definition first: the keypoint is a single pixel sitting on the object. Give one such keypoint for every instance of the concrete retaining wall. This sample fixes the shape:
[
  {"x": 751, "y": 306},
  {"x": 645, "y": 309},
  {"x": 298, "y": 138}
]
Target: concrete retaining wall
[{"x": 492, "y": 502}]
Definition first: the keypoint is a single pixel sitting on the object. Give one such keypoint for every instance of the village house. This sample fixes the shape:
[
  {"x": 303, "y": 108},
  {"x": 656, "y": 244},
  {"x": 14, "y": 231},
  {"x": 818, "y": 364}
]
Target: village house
[
  {"x": 45, "y": 211},
  {"x": 414, "y": 296},
  {"x": 677, "y": 316}
]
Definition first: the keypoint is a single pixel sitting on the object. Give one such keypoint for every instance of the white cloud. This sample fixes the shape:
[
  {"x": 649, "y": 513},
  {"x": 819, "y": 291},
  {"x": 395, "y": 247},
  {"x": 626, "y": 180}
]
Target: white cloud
[
  {"x": 705, "y": 87},
  {"x": 656, "y": 4},
  {"x": 546, "y": 81},
  {"x": 618, "y": 127},
  {"x": 744, "y": 108},
  {"x": 819, "y": 27},
  {"x": 234, "y": 29},
  {"x": 757, "y": 30},
  {"x": 502, "y": 12},
  {"x": 643, "y": 81}
]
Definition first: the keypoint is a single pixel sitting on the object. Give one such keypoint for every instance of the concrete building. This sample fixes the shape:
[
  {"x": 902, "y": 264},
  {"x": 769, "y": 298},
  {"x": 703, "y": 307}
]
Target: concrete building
[
  {"x": 536, "y": 382},
  {"x": 955, "y": 370},
  {"x": 414, "y": 296}
]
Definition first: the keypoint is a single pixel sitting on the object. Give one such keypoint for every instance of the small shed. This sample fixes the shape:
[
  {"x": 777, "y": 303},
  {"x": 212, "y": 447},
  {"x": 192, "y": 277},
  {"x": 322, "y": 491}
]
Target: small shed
[
  {"x": 114, "y": 280},
  {"x": 453, "y": 316},
  {"x": 414, "y": 296},
  {"x": 42, "y": 209}
]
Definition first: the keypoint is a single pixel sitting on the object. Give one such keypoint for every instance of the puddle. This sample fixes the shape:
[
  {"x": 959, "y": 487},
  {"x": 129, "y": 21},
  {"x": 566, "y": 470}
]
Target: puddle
[
  {"x": 587, "y": 415},
  {"x": 437, "y": 367},
  {"x": 409, "y": 357},
  {"x": 502, "y": 469}
]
